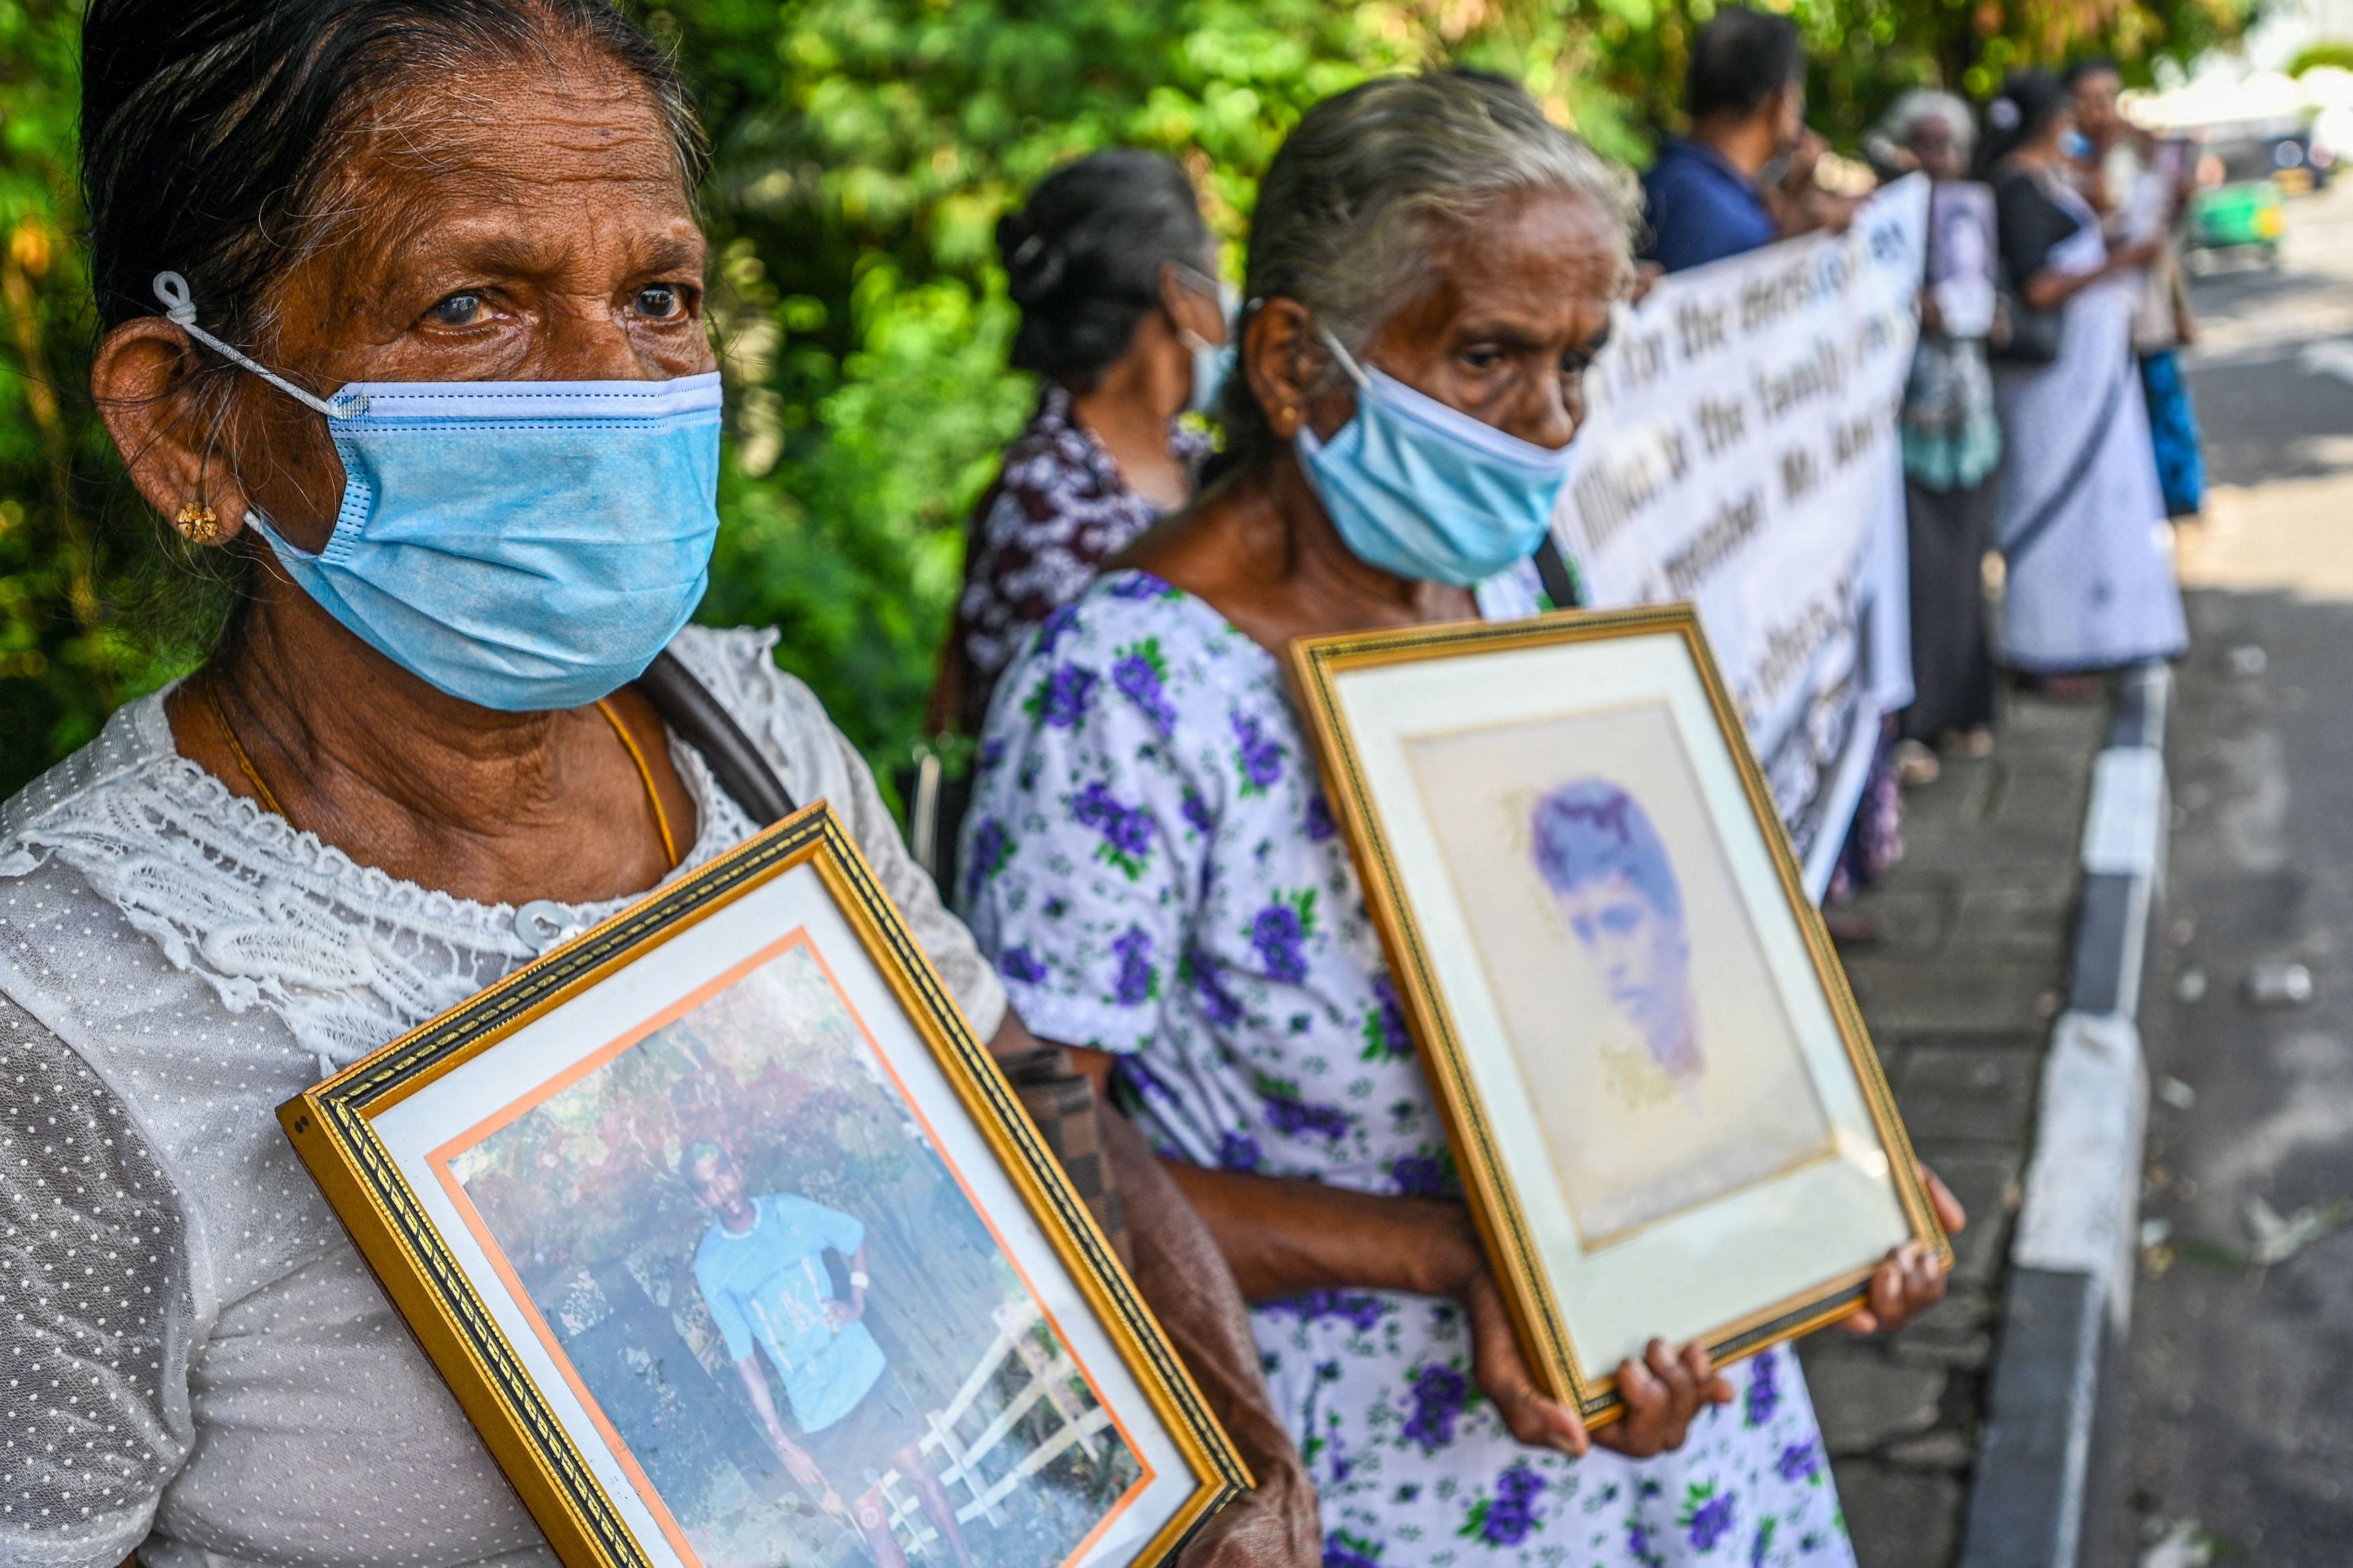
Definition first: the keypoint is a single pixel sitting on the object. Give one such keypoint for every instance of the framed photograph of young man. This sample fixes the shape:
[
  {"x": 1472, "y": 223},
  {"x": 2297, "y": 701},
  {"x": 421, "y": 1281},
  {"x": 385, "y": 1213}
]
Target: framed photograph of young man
[
  {"x": 1663, "y": 1104},
  {"x": 738, "y": 1250}
]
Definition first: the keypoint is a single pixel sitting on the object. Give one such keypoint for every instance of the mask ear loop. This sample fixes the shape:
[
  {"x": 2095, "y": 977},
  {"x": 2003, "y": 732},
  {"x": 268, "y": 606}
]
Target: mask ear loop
[
  {"x": 1347, "y": 361},
  {"x": 181, "y": 311}
]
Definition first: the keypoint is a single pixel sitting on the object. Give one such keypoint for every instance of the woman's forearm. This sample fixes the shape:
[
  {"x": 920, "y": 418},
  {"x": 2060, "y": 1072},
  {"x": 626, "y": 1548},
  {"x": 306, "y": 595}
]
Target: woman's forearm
[
  {"x": 2050, "y": 289},
  {"x": 1281, "y": 1237},
  {"x": 1187, "y": 1284},
  {"x": 1181, "y": 1275}
]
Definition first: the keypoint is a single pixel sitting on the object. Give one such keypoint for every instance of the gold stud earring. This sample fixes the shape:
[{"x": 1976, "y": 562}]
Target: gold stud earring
[{"x": 198, "y": 523}]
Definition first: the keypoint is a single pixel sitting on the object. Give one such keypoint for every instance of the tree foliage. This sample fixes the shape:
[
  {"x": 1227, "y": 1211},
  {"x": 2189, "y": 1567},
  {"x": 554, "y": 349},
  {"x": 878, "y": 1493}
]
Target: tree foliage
[{"x": 865, "y": 150}]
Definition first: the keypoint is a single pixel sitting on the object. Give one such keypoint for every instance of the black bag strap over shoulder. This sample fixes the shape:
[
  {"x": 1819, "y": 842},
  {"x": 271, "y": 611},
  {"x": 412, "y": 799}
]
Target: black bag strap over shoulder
[
  {"x": 695, "y": 716},
  {"x": 1559, "y": 578}
]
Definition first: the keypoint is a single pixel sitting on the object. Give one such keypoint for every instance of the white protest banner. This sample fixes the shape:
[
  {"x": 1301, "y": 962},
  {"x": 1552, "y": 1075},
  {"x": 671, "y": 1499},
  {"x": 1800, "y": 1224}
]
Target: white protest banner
[{"x": 1739, "y": 451}]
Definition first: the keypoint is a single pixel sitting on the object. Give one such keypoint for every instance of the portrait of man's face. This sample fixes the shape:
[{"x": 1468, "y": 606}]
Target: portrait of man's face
[
  {"x": 1640, "y": 954},
  {"x": 1615, "y": 887},
  {"x": 718, "y": 1183},
  {"x": 1643, "y": 1028}
]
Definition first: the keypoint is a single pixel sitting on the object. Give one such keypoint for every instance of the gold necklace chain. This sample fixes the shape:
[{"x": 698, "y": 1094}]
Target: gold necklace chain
[
  {"x": 645, "y": 777},
  {"x": 236, "y": 748},
  {"x": 244, "y": 765}
]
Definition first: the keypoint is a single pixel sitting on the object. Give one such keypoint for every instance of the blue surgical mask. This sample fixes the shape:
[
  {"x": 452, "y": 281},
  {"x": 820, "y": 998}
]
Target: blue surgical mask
[
  {"x": 2076, "y": 145},
  {"x": 1212, "y": 362},
  {"x": 523, "y": 545},
  {"x": 1426, "y": 491}
]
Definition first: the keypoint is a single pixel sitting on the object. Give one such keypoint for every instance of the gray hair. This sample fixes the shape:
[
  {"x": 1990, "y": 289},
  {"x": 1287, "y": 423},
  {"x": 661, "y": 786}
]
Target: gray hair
[
  {"x": 1924, "y": 104},
  {"x": 1373, "y": 184}
]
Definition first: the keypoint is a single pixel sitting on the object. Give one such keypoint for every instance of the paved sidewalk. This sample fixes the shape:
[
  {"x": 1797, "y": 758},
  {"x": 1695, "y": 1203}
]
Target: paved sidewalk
[{"x": 1970, "y": 967}]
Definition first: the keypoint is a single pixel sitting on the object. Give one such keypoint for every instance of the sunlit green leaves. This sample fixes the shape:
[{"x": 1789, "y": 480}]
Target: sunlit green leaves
[{"x": 865, "y": 149}]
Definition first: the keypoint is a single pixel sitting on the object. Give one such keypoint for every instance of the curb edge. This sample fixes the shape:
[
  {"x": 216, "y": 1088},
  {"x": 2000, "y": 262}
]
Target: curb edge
[{"x": 2068, "y": 1303}]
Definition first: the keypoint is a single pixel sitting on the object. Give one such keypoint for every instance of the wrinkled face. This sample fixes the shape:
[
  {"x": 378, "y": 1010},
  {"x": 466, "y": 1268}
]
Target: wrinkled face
[
  {"x": 1940, "y": 156},
  {"x": 721, "y": 1187},
  {"x": 2096, "y": 106},
  {"x": 1517, "y": 313},
  {"x": 522, "y": 223},
  {"x": 1638, "y": 952}
]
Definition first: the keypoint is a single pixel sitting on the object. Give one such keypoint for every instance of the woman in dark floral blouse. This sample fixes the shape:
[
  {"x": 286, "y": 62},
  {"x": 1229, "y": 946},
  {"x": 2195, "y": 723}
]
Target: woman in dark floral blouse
[{"x": 1116, "y": 277}]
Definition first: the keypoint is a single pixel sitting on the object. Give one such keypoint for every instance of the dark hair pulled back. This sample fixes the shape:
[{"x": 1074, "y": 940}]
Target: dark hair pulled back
[
  {"x": 1083, "y": 257},
  {"x": 211, "y": 129},
  {"x": 2020, "y": 115},
  {"x": 1741, "y": 58}
]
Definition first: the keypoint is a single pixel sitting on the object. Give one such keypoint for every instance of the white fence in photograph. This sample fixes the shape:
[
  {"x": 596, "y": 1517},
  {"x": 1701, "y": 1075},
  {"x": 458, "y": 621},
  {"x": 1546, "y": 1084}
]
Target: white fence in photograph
[{"x": 1048, "y": 1377}]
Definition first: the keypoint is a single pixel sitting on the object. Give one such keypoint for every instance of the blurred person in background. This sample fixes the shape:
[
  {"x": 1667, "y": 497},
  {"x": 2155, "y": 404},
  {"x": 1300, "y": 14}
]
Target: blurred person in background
[
  {"x": 1743, "y": 176},
  {"x": 1741, "y": 179},
  {"x": 2090, "y": 584},
  {"x": 1153, "y": 863},
  {"x": 1951, "y": 439},
  {"x": 1116, "y": 276},
  {"x": 2139, "y": 191}
]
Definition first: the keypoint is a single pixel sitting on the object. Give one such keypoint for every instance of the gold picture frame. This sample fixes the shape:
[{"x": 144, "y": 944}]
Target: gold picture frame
[
  {"x": 368, "y": 1136},
  {"x": 1429, "y": 738}
]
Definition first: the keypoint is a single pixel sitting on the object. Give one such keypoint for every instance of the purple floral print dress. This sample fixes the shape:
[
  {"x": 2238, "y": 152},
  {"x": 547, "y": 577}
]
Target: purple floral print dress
[
  {"x": 1151, "y": 862},
  {"x": 1059, "y": 510}
]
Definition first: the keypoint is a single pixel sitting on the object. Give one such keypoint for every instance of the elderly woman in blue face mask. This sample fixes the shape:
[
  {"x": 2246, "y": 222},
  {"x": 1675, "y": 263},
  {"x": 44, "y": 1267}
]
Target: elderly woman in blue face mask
[
  {"x": 403, "y": 303},
  {"x": 1152, "y": 862}
]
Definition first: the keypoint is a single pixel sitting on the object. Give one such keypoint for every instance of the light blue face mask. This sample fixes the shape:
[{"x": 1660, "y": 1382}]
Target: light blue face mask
[
  {"x": 1426, "y": 491},
  {"x": 524, "y": 545},
  {"x": 1212, "y": 362}
]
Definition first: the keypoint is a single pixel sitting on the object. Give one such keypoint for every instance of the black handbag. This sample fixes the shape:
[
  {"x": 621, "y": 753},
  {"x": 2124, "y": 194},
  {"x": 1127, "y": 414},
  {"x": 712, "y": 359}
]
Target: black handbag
[{"x": 2031, "y": 336}]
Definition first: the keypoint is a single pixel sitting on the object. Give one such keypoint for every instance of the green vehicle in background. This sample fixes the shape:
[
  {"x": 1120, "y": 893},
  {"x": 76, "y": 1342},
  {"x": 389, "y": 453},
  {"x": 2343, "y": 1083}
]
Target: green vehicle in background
[
  {"x": 2243, "y": 175},
  {"x": 2244, "y": 215}
]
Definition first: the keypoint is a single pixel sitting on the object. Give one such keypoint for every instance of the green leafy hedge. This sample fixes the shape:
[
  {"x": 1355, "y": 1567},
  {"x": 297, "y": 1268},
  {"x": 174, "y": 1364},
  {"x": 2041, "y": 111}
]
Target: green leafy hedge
[{"x": 865, "y": 149}]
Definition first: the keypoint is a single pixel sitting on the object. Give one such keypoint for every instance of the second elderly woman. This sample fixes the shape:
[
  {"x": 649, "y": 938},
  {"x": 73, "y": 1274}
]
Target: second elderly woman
[
  {"x": 414, "y": 760},
  {"x": 1153, "y": 863}
]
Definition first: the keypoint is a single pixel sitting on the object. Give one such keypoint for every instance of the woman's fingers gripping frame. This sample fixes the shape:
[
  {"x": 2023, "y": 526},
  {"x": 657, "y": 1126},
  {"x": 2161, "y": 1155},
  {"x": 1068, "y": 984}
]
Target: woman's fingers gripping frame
[
  {"x": 1911, "y": 1278},
  {"x": 1527, "y": 1411},
  {"x": 1664, "y": 1392}
]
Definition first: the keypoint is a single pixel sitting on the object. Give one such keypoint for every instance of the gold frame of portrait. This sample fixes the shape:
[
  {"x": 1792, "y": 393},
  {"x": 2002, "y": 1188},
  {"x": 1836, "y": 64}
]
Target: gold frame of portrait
[
  {"x": 331, "y": 1126},
  {"x": 1317, "y": 664}
]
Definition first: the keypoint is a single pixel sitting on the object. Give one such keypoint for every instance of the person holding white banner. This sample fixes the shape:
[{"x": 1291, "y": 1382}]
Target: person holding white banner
[
  {"x": 2091, "y": 584},
  {"x": 1744, "y": 177},
  {"x": 1152, "y": 862}
]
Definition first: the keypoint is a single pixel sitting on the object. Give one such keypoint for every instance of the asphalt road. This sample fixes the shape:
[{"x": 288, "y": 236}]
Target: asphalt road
[{"x": 2237, "y": 1440}]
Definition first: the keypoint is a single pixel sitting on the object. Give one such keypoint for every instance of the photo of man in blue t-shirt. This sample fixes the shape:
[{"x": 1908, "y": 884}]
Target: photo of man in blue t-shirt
[{"x": 763, "y": 1273}]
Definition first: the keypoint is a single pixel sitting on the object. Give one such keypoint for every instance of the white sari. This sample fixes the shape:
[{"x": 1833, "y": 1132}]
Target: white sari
[{"x": 2084, "y": 529}]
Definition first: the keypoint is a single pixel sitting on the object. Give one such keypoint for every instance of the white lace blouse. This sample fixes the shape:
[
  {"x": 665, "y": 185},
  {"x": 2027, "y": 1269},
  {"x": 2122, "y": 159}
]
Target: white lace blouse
[{"x": 194, "y": 1363}]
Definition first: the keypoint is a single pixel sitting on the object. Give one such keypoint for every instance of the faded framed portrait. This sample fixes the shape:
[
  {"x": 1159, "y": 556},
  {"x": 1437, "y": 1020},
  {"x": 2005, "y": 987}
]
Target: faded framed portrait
[
  {"x": 738, "y": 1251},
  {"x": 1666, "y": 1112}
]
